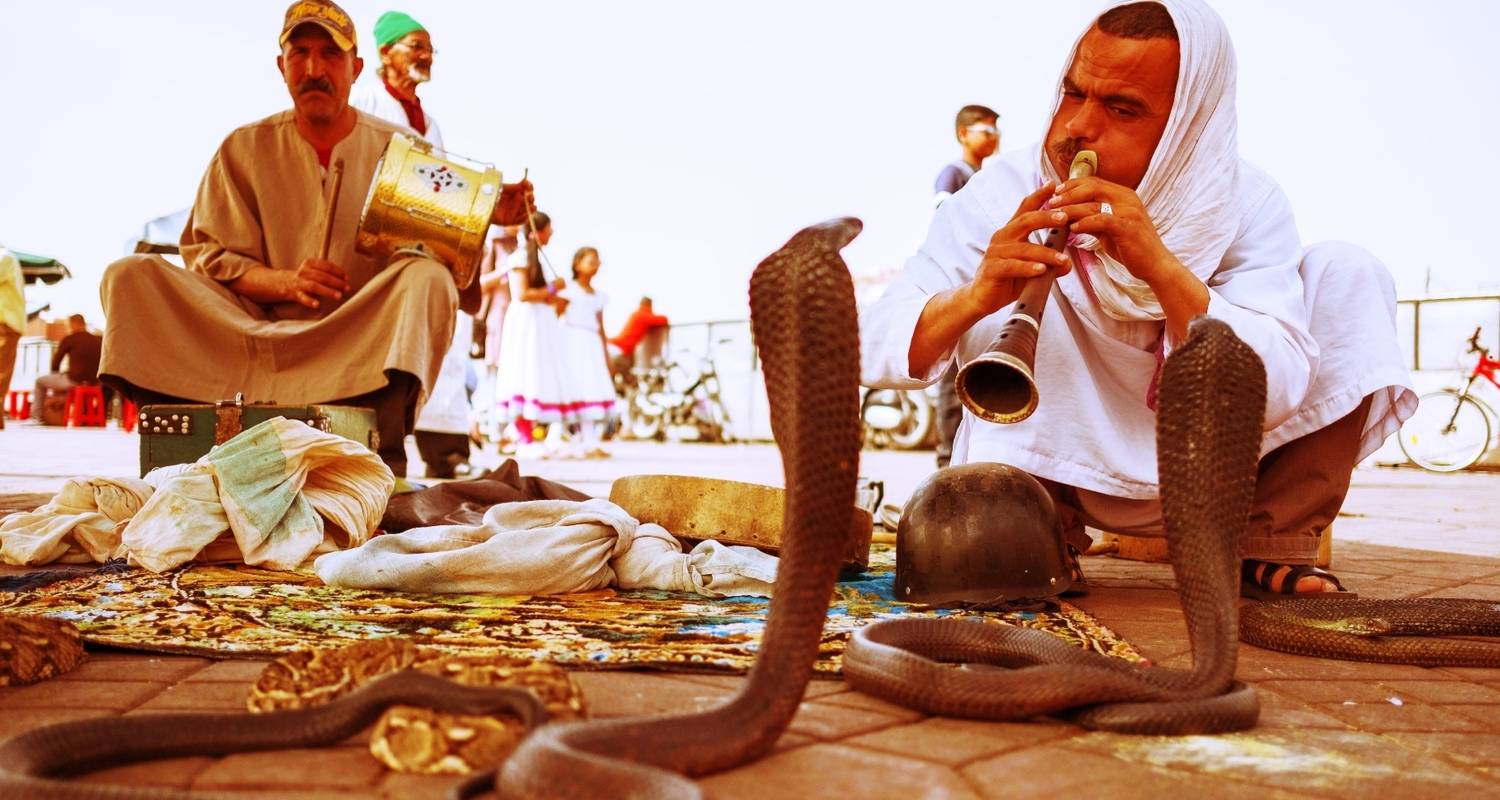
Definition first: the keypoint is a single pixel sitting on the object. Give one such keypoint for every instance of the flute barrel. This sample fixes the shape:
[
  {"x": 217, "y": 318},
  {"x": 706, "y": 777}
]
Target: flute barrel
[{"x": 999, "y": 385}]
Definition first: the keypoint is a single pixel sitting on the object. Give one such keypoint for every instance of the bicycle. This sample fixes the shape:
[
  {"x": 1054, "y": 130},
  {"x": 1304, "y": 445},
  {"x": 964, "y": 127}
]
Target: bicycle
[
  {"x": 1451, "y": 428},
  {"x": 655, "y": 406}
]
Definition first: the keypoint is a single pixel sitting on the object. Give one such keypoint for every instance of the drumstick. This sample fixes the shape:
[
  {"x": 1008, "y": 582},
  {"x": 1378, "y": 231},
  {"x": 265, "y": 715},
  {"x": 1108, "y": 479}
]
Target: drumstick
[{"x": 336, "y": 175}]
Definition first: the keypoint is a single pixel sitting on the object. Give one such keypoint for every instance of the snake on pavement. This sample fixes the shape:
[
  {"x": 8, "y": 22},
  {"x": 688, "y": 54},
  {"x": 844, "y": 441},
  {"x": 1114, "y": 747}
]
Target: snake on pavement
[{"x": 805, "y": 325}]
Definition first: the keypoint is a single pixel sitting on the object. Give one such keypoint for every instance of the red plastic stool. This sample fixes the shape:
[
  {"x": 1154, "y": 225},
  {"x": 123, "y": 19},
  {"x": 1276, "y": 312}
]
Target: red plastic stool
[
  {"x": 18, "y": 404},
  {"x": 128, "y": 415},
  {"x": 86, "y": 407}
]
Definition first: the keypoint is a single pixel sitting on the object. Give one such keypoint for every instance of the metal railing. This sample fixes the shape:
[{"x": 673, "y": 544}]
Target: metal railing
[{"x": 1446, "y": 331}]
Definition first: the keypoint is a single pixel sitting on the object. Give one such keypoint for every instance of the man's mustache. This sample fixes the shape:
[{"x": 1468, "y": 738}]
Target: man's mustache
[
  {"x": 1064, "y": 149},
  {"x": 315, "y": 84}
]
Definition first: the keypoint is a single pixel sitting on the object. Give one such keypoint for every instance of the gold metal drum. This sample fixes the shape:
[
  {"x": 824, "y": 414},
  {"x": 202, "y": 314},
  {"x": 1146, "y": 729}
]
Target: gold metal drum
[{"x": 433, "y": 201}]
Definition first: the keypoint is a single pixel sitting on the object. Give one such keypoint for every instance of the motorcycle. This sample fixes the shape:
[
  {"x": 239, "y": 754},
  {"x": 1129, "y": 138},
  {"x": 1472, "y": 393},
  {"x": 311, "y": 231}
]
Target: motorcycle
[
  {"x": 656, "y": 406},
  {"x": 903, "y": 419}
]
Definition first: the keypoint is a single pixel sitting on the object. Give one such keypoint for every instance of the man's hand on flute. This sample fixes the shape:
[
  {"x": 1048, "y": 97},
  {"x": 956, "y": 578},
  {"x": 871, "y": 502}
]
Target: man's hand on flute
[
  {"x": 1115, "y": 215},
  {"x": 515, "y": 199},
  {"x": 1012, "y": 258},
  {"x": 1009, "y": 261}
]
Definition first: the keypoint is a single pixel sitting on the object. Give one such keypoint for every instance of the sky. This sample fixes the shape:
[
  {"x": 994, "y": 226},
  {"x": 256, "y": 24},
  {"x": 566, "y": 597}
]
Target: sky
[{"x": 686, "y": 140}]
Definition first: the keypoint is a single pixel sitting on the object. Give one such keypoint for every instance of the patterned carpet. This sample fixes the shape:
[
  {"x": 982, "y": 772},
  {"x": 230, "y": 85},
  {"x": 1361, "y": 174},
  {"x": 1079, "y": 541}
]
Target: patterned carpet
[{"x": 247, "y": 612}]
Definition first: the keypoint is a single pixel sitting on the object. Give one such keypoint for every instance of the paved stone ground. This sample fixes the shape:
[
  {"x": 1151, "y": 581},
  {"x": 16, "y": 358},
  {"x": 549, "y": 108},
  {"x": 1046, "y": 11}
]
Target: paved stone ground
[{"x": 1328, "y": 729}]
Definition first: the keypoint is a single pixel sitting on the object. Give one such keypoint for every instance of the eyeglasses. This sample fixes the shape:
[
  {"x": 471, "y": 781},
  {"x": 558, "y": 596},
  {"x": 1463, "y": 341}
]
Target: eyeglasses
[
  {"x": 417, "y": 48},
  {"x": 983, "y": 127}
]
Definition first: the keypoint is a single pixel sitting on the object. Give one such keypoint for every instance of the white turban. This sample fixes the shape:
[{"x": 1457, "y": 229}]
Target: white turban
[{"x": 1190, "y": 186}]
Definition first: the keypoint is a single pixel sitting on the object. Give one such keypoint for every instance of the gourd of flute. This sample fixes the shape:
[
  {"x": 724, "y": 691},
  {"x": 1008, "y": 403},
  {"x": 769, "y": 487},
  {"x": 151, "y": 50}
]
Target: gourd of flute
[{"x": 999, "y": 385}]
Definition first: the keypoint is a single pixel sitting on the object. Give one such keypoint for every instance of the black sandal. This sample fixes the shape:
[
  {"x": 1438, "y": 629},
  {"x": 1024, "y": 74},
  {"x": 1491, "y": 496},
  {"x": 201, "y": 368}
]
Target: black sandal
[
  {"x": 1260, "y": 587},
  {"x": 1080, "y": 584}
]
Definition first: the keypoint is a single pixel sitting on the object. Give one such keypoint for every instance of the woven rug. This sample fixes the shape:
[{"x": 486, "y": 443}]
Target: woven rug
[{"x": 226, "y": 612}]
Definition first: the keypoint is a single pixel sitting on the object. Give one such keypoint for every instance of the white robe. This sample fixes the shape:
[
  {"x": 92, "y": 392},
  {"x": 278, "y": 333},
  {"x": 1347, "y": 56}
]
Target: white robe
[
  {"x": 1093, "y": 428},
  {"x": 372, "y": 98},
  {"x": 1322, "y": 320}
]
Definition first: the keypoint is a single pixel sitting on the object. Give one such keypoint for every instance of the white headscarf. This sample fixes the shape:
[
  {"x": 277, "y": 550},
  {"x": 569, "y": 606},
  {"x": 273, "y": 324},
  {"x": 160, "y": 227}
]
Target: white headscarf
[{"x": 1190, "y": 186}]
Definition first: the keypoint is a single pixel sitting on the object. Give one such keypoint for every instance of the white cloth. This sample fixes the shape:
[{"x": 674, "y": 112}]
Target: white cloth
[
  {"x": 591, "y": 389},
  {"x": 447, "y": 408},
  {"x": 280, "y": 490},
  {"x": 548, "y": 547},
  {"x": 1190, "y": 185},
  {"x": 1093, "y": 428},
  {"x": 82, "y": 523},
  {"x": 371, "y": 97}
]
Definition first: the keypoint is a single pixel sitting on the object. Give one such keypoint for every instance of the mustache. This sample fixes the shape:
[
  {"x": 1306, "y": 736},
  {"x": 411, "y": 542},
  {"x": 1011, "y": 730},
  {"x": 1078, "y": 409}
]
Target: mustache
[
  {"x": 1064, "y": 149},
  {"x": 315, "y": 84}
]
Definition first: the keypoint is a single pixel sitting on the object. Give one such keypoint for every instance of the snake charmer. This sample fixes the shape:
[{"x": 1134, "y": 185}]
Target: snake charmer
[
  {"x": 257, "y": 311},
  {"x": 1173, "y": 225}
]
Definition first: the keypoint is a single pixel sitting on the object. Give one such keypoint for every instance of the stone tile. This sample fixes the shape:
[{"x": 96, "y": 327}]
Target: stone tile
[
  {"x": 836, "y": 771},
  {"x": 1321, "y": 762},
  {"x": 18, "y": 720},
  {"x": 1281, "y": 711},
  {"x": 115, "y": 668},
  {"x": 1486, "y": 716},
  {"x": 1489, "y": 675},
  {"x": 815, "y": 688},
  {"x": 1339, "y": 691},
  {"x": 954, "y": 742},
  {"x": 199, "y": 697},
  {"x": 828, "y": 721},
  {"x": 1447, "y": 692},
  {"x": 1470, "y": 591},
  {"x": 177, "y": 773},
  {"x": 405, "y": 786},
  {"x": 623, "y": 694},
  {"x": 1052, "y": 771},
  {"x": 1380, "y": 717},
  {"x": 865, "y": 702},
  {"x": 326, "y": 768},
  {"x": 111, "y": 695},
  {"x": 236, "y": 671},
  {"x": 1469, "y": 749},
  {"x": 1109, "y": 604}
]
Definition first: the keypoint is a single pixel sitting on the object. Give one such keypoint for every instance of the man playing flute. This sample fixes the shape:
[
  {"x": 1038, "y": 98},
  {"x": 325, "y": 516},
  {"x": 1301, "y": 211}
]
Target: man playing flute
[{"x": 1174, "y": 224}]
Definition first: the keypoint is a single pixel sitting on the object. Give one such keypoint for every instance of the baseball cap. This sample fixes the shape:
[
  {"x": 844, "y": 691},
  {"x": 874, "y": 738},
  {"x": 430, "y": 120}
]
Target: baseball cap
[{"x": 325, "y": 15}]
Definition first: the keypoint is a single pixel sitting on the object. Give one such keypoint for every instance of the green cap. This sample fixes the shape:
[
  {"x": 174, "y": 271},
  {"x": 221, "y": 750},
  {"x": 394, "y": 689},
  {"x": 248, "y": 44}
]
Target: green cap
[{"x": 393, "y": 25}]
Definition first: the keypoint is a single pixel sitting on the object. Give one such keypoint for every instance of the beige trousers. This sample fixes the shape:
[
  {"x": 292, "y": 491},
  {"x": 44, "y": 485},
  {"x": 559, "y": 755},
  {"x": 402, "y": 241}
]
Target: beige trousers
[{"x": 1300, "y": 489}]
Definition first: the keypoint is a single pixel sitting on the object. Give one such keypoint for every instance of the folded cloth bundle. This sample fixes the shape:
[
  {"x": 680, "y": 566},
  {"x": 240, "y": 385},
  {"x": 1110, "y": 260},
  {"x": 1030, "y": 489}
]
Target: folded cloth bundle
[
  {"x": 81, "y": 524},
  {"x": 279, "y": 489},
  {"x": 548, "y": 547}
]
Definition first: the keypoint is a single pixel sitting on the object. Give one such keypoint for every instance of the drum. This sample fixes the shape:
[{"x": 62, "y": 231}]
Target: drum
[{"x": 432, "y": 201}]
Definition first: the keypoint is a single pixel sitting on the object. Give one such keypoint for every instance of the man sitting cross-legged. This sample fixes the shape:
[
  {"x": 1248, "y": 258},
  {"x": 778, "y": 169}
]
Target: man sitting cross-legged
[{"x": 256, "y": 312}]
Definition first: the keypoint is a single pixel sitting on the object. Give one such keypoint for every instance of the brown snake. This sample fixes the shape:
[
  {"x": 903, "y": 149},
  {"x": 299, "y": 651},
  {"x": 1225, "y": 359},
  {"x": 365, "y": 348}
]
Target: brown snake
[
  {"x": 804, "y": 322},
  {"x": 1211, "y": 406}
]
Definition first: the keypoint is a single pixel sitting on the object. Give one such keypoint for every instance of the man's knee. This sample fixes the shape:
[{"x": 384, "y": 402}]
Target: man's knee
[
  {"x": 1341, "y": 264},
  {"x": 128, "y": 271},
  {"x": 427, "y": 278}
]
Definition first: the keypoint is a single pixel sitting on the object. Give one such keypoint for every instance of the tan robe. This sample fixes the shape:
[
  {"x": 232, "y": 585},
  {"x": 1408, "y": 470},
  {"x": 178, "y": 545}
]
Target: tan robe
[{"x": 182, "y": 332}]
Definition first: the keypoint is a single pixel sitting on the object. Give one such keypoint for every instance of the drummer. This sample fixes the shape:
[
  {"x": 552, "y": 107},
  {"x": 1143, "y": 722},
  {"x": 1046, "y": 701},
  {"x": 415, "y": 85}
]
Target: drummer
[{"x": 256, "y": 311}]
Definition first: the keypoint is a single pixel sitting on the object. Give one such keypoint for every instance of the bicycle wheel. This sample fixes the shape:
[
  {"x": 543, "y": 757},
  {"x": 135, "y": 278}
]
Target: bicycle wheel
[{"x": 1447, "y": 433}]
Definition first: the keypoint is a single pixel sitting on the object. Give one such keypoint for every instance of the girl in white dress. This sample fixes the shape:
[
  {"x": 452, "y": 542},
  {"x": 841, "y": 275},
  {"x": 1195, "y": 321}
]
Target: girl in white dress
[
  {"x": 591, "y": 388},
  {"x": 531, "y": 384}
]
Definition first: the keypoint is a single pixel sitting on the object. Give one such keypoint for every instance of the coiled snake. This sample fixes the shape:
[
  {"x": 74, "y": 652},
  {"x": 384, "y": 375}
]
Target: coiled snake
[{"x": 804, "y": 322}]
